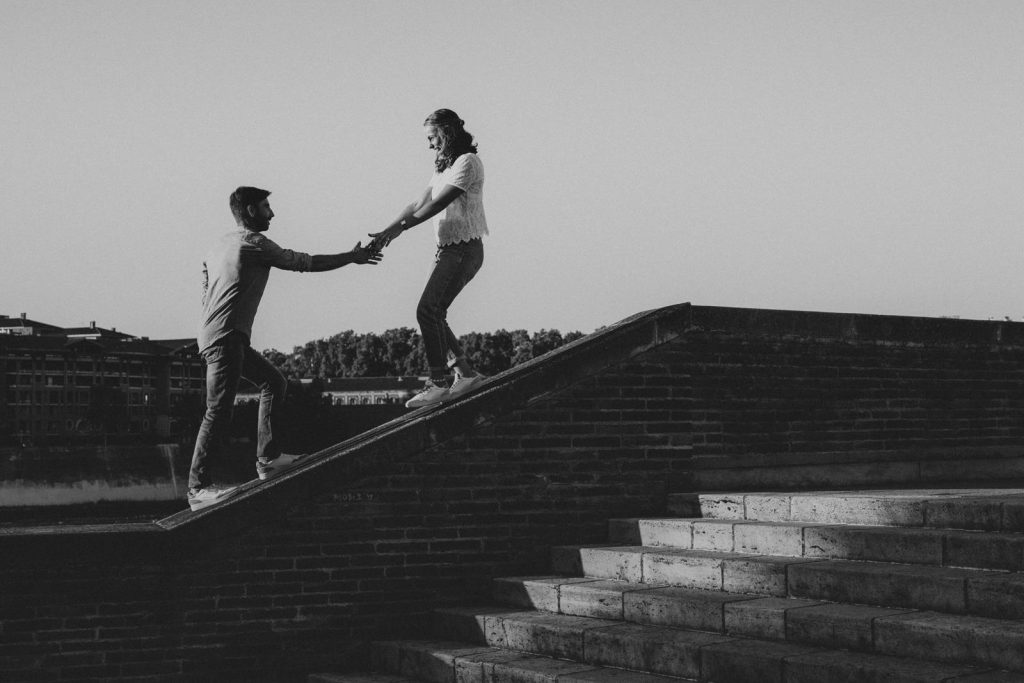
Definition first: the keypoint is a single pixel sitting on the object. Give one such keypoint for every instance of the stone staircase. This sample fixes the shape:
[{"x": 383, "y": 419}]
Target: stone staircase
[{"x": 827, "y": 587}]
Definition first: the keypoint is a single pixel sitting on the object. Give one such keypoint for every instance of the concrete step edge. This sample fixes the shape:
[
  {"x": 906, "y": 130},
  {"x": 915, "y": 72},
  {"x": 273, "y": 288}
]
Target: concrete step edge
[
  {"x": 940, "y": 547},
  {"x": 943, "y": 589},
  {"x": 881, "y": 630},
  {"x": 443, "y": 662},
  {"x": 964, "y": 508},
  {"x": 685, "y": 653}
]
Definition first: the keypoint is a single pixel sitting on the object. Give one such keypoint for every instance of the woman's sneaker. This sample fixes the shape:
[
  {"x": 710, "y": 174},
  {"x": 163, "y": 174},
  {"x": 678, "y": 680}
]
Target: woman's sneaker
[
  {"x": 429, "y": 395},
  {"x": 204, "y": 497},
  {"x": 281, "y": 463},
  {"x": 461, "y": 385}
]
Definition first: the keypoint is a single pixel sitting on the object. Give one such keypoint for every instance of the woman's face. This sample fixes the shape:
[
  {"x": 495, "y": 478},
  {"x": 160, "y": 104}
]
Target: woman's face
[{"x": 434, "y": 138}]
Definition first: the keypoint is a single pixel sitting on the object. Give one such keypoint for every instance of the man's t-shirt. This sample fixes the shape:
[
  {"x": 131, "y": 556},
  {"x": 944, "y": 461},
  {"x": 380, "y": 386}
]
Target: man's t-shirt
[{"x": 235, "y": 273}]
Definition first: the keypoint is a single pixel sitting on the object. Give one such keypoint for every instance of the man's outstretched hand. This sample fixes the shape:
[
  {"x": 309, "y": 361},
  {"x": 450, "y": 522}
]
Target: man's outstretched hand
[{"x": 369, "y": 254}]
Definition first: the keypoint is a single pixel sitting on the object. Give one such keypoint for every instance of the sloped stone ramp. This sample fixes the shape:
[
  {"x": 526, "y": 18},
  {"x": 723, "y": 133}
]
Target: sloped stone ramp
[{"x": 813, "y": 587}]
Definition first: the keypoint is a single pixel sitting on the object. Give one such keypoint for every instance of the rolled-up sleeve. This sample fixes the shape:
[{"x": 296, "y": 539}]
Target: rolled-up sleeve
[{"x": 286, "y": 259}]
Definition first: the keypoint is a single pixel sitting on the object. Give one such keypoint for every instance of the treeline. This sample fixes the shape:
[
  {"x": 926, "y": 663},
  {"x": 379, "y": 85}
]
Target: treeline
[{"x": 400, "y": 352}]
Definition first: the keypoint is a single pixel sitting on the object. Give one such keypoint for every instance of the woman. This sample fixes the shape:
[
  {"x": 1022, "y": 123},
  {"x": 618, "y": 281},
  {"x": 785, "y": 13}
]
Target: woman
[{"x": 455, "y": 197}]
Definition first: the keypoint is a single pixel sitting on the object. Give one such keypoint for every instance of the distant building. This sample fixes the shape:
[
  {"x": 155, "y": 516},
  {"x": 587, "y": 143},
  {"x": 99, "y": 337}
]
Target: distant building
[
  {"x": 349, "y": 391},
  {"x": 76, "y": 381},
  {"x": 80, "y": 381}
]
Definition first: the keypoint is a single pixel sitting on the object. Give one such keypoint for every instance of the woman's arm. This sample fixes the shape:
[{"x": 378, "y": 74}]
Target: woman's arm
[{"x": 419, "y": 212}]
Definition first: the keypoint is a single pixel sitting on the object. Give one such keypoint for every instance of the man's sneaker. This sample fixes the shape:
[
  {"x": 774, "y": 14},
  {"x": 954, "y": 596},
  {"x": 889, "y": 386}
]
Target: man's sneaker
[
  {"x": 430, "y": 395},
  {"x": 281, "y": 463},
  {"x": 204, "y": 497},
  {"x": 461, "y": 385}
]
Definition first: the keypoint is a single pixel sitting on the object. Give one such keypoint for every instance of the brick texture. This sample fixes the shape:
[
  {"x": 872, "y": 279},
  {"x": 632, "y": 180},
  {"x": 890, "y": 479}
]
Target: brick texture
[{"x": 298, "y": 577}]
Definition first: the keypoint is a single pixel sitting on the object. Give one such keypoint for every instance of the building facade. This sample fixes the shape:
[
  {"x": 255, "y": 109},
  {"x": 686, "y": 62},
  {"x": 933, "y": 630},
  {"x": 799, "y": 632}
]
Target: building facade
[{"x": 62, "y": 382}]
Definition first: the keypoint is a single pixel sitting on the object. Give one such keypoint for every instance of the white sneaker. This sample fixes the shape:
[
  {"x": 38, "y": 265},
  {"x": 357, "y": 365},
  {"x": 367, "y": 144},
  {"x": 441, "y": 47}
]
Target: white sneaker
[
  {"x": 461, "y": 385},
  {"x": 201, "y": 498},
  {"x": 281, "y": 463},
  {"x": 430, "y": 395}
]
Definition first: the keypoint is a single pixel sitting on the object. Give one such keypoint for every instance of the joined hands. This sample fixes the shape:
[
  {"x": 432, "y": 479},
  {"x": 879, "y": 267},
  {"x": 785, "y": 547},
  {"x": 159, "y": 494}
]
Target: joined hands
[
  {"x": 369, "y": 254},
  {"x": 384, "y": 237}
]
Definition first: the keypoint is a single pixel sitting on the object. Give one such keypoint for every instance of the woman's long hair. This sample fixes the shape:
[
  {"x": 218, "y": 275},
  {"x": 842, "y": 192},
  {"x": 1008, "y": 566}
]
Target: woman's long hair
[{"x": 455, "y": 139}]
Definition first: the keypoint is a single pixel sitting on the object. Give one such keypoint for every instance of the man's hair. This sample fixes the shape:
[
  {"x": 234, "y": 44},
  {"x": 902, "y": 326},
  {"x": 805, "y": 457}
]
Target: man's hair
[
  {"x": 244, "y": 197},
  {"x": 455, "y": 139}
]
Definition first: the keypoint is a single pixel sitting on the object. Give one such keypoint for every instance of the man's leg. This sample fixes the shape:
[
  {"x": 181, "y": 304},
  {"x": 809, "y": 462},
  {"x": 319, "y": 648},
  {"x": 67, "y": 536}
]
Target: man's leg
[
  {"x": 223, "y": 371},
  {"x": 273, "y": 386}
]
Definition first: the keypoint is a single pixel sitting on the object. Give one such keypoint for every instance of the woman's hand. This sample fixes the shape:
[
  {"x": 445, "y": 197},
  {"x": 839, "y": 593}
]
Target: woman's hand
[{"x": 384, "y": 237}]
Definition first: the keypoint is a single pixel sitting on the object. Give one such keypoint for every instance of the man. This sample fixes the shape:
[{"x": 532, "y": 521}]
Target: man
[{"x": 235, "y": 274}]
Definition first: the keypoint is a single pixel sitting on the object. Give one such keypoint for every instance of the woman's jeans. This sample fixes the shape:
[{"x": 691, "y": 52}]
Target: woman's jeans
[
  {"x": 454, "y": 266},
  {"x": 227, "y": 362}
]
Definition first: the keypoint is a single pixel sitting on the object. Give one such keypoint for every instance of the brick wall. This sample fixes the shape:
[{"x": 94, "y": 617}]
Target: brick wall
[{"x": 297, "y": 574}]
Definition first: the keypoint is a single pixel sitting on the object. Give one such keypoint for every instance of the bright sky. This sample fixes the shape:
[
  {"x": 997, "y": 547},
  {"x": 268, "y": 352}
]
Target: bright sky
[{"x": 841, "y": 156}]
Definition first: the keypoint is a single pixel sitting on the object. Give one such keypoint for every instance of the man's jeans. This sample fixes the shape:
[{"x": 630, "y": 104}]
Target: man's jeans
[
  {"x": 228, "y": 361},
  {"x": 454, "y": 266}
]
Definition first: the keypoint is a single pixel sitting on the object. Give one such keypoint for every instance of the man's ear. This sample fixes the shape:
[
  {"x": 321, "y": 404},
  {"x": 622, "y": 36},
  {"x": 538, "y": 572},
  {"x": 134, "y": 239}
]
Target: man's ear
[{"x": 251, "y": 210}]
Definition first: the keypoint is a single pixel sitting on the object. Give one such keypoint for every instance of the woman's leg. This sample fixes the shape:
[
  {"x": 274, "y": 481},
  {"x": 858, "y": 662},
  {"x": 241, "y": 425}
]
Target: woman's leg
[{"x": 454, "y": 266}]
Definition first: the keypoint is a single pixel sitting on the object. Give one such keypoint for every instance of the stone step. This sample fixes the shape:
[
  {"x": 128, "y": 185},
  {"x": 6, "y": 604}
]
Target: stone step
[
  {"x": 686, "y": 654},
  {"x": 940, "y": 547},
  {"x": 891, "y": 631},
  {"x": 950, "y": 508},
  {"x": 942, "y": 589},
  {"x": 359, "y": 678},
  {"x": 705, "y": 569},
  {"x": 450, "y": 661}
]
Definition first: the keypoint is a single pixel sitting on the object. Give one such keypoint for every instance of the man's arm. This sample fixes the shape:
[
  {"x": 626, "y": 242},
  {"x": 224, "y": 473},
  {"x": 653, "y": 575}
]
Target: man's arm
[{"x": 359, "y": 254}]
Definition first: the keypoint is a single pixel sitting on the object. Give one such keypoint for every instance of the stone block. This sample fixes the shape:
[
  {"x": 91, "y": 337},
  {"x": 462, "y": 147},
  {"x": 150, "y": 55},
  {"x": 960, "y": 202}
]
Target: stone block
[
  {"x": 982, "y": 514},
  {"x": 721, "y": 505},
  {"x": 479, "y": 668},
  {"x": 749, "y": 661},
  {"x": 996, "y": 595},
  {"x": 679, "y": 607},
  {"x": 713, "y": 534},
  {"x": 757, "y": 575},
  {"x": 836, "y": 626},
  {"x": 762, "y": 617},
  {"x": 433, "y": 661},
  {"x": 951, "y": 638},
  {"x": 861, "y": 667},
  {"x": 861, "y": 509},
  {"x": 691, "y": 569},
  {"x": 598, "y": 599},
  {"x": 989, "y": 550},
  {"x": 884, "y": 544},
  {"x": 553, "y": 635},
  {"x": 646, "y": 648},
  {"x": 614, "y": 676},
  {"x": 769, "y": 538},
  {"x": 468, "y": 624},
  {"x": 769, "y": 507},
  {"x": 536, "y": 670},
  {"x": 534, "y": 592},
  {"x": 918, "y": 587},
  {"x": 1013, "y": 515},
  {"x": 623, "y": 563},
  {"x": 676, "y": 533}
]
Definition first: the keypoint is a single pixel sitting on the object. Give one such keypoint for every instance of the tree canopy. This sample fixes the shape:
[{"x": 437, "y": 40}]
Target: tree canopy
[{"x": 399, "y": 352}]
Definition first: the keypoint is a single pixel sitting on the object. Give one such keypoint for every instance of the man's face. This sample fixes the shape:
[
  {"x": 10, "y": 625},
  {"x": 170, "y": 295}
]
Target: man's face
[{"x": 260, "y": 215}]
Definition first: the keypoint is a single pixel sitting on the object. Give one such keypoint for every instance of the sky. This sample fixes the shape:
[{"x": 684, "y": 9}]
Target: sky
[{"x": 860, "y": 157}]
